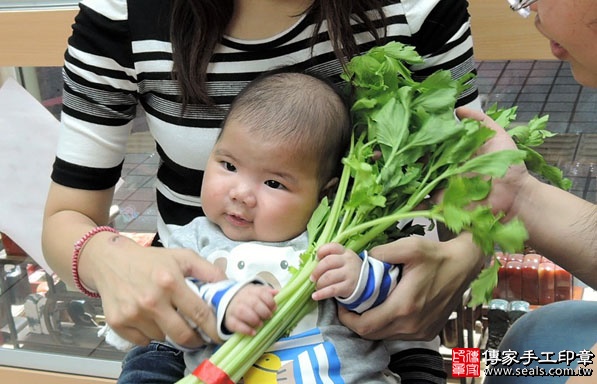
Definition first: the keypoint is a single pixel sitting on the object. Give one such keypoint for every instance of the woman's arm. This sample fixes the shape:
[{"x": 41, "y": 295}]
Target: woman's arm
[
  {"x": 561, "y": 226},
  {"x": 69, "y": 214},
  {"x": 141, "y": 287}
]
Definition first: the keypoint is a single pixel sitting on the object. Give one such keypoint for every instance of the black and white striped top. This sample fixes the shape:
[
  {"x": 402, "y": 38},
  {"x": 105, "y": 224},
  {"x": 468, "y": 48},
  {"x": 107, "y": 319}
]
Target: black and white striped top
[{"x": 120, "y": 54}]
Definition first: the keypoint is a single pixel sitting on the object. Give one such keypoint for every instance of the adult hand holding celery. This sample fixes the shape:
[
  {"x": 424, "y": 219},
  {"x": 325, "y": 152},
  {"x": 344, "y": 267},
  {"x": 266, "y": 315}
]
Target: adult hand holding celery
[{"x": 406, "y": 144}]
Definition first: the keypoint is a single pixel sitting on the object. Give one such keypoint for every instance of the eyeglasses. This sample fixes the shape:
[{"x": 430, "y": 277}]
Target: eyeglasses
[{"x": 521, "y": 6}]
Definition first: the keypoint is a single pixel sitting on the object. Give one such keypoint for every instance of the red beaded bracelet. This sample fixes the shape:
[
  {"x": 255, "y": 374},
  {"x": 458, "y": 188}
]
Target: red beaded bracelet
[{"x": 77, "y": 252}]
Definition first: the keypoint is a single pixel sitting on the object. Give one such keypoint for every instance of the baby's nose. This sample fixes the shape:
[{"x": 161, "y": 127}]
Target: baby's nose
[{"x": 244, "y": 194}]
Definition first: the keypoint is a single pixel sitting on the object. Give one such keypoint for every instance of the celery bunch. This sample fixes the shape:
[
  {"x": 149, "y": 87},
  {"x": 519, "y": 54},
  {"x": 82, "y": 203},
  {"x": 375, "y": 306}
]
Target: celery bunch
[{"x": 406, "y": 144}]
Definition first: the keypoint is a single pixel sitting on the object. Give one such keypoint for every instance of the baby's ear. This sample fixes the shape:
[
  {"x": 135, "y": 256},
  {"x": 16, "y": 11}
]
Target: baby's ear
[{"x": 328, "y": 188}]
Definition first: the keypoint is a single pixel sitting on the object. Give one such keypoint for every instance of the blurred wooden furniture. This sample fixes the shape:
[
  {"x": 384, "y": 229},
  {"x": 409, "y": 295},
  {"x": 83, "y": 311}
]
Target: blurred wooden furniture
[
  {"x": 17, "y": 376},
  {"x": 500, "y": 34},
  {"x": 34, "y": 38}
]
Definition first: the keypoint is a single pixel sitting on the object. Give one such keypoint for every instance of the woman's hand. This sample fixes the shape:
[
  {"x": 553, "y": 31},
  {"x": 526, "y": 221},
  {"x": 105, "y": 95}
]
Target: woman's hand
[
  {"x": 505, "y": 190},
  {"x": 144, "y": 293},
  {"x": 143, "y": 290},
  {"x": 434, "y": 278}
]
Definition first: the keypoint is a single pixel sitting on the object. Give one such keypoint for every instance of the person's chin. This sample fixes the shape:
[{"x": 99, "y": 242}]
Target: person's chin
[
  {"x": 236, "y": 233},
  {"x": 584, "y": 76}
]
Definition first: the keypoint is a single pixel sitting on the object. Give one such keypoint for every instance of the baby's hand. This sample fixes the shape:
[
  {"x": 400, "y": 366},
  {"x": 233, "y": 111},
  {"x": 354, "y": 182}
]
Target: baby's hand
[
  {"x": 337, "y": 273},
  {"x": 249, "y": 308}
]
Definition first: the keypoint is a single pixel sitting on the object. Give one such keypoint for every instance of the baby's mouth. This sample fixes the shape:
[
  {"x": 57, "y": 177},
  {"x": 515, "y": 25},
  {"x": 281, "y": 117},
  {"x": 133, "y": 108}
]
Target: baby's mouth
[{"x": 237, "y": 219}]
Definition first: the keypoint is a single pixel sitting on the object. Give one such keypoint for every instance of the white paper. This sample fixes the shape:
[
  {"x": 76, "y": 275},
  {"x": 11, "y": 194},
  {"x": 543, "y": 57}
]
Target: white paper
[{"x": 28, "y": 140}]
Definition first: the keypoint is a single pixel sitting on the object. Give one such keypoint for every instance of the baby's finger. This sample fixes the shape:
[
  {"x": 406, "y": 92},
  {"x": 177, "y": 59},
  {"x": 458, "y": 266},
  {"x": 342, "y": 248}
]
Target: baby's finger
[
  {"x": 264, "y": 310},
  {"x": 339, "y": 288},
  {"x": 324, "y": 293},
  {"x": 328, "y": 263},
  {"x": 234, "y": 324},
  {"x": 328, "y": 249}
]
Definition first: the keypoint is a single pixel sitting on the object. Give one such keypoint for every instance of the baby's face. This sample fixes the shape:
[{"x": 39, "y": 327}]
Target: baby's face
[{"x": 255, "y": 189}]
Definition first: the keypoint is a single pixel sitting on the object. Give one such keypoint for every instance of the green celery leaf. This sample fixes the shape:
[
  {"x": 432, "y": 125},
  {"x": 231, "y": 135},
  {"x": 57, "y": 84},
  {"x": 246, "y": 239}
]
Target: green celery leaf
[
  {"x": 493, "y": 164},
  {"x": 511, "y": 237},
  {"x": 441, "y": 93},
  {"x": 400, "y": 52},
  {"x": 436, "y": 129},
  {"x": 483, "y": 286},
  {"x": 483, "y": 224},
  {"x": 364, "y": 103},
  {"x": 457, "y": 151},
  {"x": 532, "y": 134},
  {"x": 463, "y": 190},
  {"x": 456, "y": 218},
  {"x": 365, "y": 193},
  {"x": 394, "y": 177},
  {"x": 318, "y": 218},
  {"x": 536, "y": 163},
  {"x": 385, "y": 120},
  {"x": 441, "y": 79},
  {"x": 555, "y": 176},
  {"x": 504, "y": 117},
  {"x": 363, "y": 71}
]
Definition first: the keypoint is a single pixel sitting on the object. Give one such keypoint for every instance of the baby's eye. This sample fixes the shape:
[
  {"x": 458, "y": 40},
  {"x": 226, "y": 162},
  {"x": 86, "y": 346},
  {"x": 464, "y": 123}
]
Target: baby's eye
[
  {"x": 228, "y": 166},
  {"x": 274, "y": 184}
]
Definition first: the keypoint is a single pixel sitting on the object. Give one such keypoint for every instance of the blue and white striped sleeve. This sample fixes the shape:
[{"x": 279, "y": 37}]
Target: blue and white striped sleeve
[{"x": 376, "y": 281}]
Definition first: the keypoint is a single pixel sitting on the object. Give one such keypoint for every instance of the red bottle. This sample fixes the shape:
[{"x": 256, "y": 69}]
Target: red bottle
[
  {"x": 530, "y": 280},
  {"x": 500, "y": 290},
  {"x": 533, "y": 257},
  {"x": 514, "y": 280},
  {"x": 516, "y": 257},
  {"x": 546, "y": 283},
  {"x": 562, "y": 284}
]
